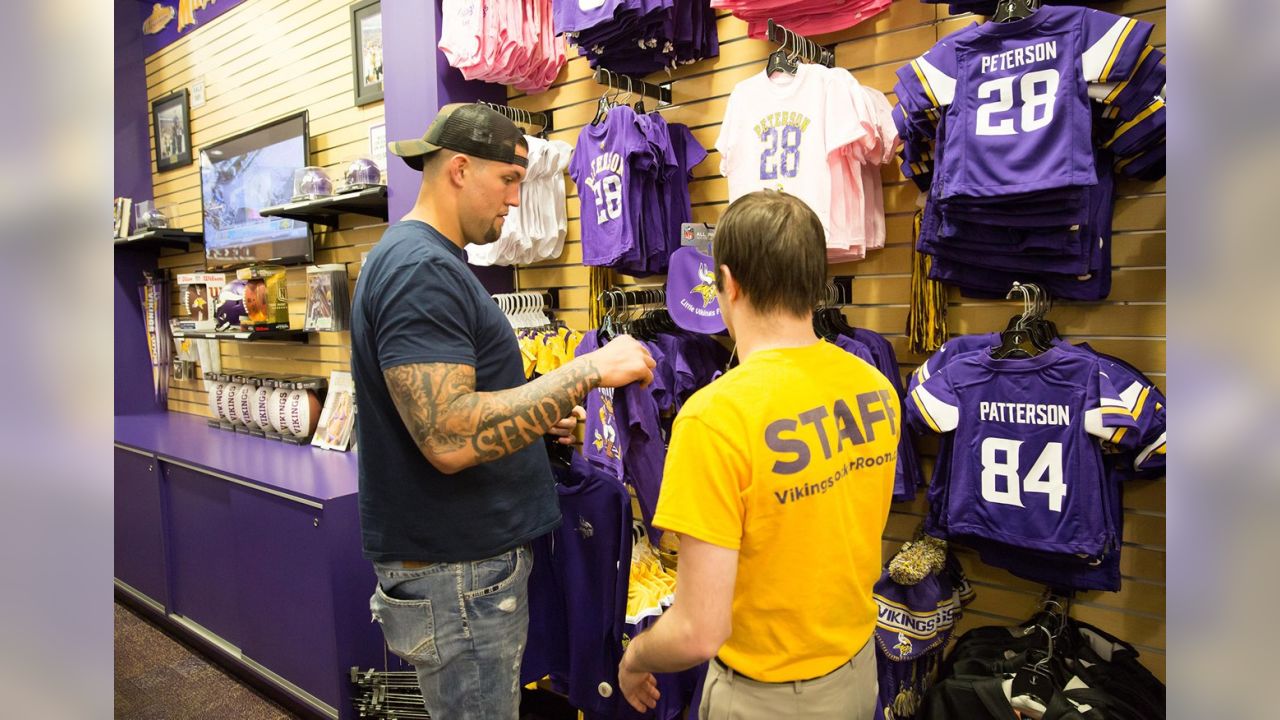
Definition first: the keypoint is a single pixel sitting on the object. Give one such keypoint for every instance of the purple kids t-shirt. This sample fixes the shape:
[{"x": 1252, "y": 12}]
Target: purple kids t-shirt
[{"x": 603, "y": 168}]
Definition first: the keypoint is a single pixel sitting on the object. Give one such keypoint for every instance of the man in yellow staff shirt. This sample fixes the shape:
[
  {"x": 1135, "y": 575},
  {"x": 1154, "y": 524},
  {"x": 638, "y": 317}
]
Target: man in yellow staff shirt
[{"x": 778, "y": 482}]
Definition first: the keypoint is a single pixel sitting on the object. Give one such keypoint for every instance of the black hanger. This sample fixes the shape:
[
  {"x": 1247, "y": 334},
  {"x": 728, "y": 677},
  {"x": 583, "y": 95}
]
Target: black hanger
[
  {"x": 1018, "y": 339},
  {"x": 1035, "y": 679},
  {"x": 559, "y": 453},
  {"x": 1010, "y": 10},
  {"x": 782, "y": 61},
  {"x": 639, "y": 106},
  {"x": 602, "y": 107}
]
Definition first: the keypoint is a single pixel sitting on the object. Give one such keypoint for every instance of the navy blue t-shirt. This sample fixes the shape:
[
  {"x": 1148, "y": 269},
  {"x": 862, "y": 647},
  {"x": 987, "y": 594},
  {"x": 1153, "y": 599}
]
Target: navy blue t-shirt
[{"x": 417, "y": 302}]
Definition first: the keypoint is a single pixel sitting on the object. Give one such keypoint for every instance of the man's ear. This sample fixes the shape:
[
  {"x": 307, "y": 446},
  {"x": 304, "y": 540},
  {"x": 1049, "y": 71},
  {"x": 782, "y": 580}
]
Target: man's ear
[
  {"x": 728, "y": 285},
  {"x": 457, "y": 166}
]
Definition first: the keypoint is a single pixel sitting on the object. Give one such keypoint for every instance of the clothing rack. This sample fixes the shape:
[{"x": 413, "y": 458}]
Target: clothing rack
[
  {"x": 529, "y": 308},
  {"x": 616, "y": 82},
  {"x": 518, "y": 115},
  {"x": 839, "y": 291},
  {"x": 619, "y": 299},
  {"x": 801, "y": 46}
]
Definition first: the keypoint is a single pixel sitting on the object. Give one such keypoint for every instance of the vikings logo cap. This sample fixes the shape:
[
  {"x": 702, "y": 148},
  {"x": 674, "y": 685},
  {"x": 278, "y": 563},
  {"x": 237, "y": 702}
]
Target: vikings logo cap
[
  {"x": 691, "y": 292},
  {"x": 469, "y": 128}
]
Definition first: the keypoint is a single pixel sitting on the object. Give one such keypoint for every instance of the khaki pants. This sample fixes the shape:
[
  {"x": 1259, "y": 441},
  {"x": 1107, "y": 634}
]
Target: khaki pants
[{"x": 847, "y": 693}]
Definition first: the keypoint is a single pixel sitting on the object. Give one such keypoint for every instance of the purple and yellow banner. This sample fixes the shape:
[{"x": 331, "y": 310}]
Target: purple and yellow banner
[{"x": 170, "y": 20}]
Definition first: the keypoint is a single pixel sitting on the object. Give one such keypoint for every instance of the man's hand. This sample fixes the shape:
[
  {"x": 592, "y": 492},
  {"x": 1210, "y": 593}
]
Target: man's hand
[
  {"x": 562, "y": 431},
  {"x": 640, "y": 689},
  {"x": 623, "y": 361}
]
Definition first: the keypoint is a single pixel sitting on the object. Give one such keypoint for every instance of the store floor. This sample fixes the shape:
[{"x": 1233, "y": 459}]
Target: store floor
[{"x": 158, "y": 678}]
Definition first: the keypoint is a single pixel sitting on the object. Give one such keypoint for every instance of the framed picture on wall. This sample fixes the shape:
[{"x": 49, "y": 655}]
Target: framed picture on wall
[
  {"x": 171, "y": 120},
  {"x": 366, "y": 50}
]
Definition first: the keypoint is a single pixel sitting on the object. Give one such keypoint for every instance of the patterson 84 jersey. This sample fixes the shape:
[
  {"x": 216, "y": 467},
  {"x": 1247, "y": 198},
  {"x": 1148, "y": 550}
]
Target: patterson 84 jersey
[
  {"x": 1016, "y": 96},
  {"x": 1026, "y": 465}
]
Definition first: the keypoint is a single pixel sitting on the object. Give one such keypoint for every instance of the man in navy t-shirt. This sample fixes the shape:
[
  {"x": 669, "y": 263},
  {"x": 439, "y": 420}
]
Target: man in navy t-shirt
[{"x": 454, "y": 478}]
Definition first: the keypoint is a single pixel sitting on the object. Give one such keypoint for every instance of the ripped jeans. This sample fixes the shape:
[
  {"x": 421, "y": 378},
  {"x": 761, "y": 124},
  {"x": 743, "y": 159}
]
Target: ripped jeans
[{"x": 463, "y": 627}]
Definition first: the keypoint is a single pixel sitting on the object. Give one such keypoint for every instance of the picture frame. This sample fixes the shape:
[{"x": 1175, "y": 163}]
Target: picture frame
[
  {"x": 366, "y": 51},
  {"x": 171, "y": 127}
]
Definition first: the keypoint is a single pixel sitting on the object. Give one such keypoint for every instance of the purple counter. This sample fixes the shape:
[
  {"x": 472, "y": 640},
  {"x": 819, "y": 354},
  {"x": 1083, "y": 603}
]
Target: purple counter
[
  {"x": 249, "y": 549},
  {"x": 303, "y": 471}
]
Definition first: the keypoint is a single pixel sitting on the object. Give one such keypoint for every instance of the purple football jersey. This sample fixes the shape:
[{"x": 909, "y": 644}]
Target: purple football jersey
[
  {"x": 1145, "y": 403},
  {"x": 602, "y": 168},
  {"x": 1024, "y": 429},
  {"x": 1022, "y": 99},
  {"x": 1018, "y": 95}
]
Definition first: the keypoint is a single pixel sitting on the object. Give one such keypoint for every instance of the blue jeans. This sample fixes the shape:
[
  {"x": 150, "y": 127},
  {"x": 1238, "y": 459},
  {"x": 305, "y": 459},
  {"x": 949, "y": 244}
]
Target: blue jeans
[{"x": 463, "y": 627}]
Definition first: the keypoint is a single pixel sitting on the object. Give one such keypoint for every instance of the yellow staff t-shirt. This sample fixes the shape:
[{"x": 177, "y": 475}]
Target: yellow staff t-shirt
[{"x": 789, "y": 458}]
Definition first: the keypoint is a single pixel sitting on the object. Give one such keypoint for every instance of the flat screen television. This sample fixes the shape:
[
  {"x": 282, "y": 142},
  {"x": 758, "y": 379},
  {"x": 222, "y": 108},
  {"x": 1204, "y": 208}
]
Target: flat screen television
[{"x": 246, "y": 172}]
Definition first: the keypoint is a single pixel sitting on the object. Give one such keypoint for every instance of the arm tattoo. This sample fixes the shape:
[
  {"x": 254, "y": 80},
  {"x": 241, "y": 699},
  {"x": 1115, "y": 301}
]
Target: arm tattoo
[{"x": 449, "y": 419}]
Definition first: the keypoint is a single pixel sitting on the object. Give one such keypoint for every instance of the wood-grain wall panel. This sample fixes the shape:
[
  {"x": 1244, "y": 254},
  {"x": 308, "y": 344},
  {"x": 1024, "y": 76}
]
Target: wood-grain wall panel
[{"x": 263, "y": 60}]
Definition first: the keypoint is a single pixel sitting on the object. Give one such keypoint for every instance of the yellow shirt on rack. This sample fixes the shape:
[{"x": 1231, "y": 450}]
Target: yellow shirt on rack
[{"x": 789, "y": 458}]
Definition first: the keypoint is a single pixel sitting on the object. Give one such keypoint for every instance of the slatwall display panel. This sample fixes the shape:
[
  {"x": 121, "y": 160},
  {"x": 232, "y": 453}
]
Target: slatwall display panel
[
  {"x": 1129, "y": 324},
  {"x": 263, "y": 60}
]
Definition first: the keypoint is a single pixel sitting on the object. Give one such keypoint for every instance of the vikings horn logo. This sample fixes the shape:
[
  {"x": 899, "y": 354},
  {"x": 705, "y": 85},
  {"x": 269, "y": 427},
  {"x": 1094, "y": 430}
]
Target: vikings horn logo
[
  {"x": 904, "y": 645},
  {"x": 706, "y": 286}
]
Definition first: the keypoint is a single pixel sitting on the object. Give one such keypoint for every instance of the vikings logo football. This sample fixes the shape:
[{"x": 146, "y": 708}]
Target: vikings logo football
[
  {"x": 706, "y": 286},
  {"x": 904, "y": 645}
]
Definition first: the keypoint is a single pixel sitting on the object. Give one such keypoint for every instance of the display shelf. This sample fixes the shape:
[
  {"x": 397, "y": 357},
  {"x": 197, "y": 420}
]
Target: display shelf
[
  {"x": 298, "y": 336},
  {"x": 325, "y": 211},
  {"x": 162, "y": 238}
]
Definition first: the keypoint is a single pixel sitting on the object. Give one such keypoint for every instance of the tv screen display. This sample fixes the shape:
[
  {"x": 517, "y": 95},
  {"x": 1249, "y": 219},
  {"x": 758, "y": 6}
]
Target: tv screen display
[{"x": 242, "y": 174}]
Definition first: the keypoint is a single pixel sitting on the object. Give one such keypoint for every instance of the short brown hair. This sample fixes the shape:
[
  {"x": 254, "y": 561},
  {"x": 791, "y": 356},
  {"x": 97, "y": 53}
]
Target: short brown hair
[{"x": 776, "y": 249}]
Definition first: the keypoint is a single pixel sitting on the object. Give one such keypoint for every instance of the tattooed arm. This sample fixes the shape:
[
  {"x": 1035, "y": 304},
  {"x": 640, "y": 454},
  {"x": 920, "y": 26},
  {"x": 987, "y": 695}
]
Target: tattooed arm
[{"x": 456, "y": 427}]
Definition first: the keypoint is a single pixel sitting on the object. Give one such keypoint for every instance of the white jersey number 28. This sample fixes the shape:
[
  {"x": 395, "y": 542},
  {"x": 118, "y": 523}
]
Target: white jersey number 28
[
  {"x": 1039, "y": 92},
  {"x": 608, "y": 199},
  {"x": 1044, "y": 477}
]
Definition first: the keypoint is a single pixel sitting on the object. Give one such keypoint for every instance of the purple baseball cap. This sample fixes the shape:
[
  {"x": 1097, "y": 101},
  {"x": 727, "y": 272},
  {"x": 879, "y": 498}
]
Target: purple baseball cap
[{"x": 691, "y": 292}]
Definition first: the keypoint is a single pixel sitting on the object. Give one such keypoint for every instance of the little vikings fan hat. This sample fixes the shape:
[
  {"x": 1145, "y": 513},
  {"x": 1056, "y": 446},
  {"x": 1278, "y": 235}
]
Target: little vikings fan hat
[
  {"x": 468, "y": 128},
  {"x": 691, "y": 292}
]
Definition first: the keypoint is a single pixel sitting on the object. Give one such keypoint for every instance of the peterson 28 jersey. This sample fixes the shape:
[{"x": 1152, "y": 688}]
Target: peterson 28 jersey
[
  {"x": 1017, "y": 97},
  {"x": 1026, "y": 466}
]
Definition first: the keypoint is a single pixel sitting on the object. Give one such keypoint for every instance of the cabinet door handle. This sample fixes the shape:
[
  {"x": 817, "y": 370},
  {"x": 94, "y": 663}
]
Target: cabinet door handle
[{"x": 151, "y": 468}]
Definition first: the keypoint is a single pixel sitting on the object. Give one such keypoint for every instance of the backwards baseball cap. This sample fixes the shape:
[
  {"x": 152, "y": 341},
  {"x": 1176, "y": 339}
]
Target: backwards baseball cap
[
  {"x": 468, "y": 128},
  {"x": 691, "y": 291}
]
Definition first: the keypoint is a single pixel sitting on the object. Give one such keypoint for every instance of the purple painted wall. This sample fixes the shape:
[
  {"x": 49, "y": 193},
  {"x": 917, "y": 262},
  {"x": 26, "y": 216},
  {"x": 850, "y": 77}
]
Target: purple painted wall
[
  {"x": 133, "y": 391},
  {"x": 417, "y": 83},
  {"x": 133, "y": 145}
]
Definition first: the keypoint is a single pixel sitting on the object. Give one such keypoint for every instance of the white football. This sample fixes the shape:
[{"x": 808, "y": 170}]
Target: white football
[
  {"x": 244, "y": 405},
  {"x": 215, "y": 390},
  {"x": 275, "y": 409},
  {"x": 229, "y": 410},
  {"x": 261, "y": 402},
  {"x": 302, "y": 413}
]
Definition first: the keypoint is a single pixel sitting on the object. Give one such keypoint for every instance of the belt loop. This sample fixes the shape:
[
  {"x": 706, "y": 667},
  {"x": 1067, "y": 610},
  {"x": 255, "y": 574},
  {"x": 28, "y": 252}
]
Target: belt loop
[{"x": 799, "y": 686}]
